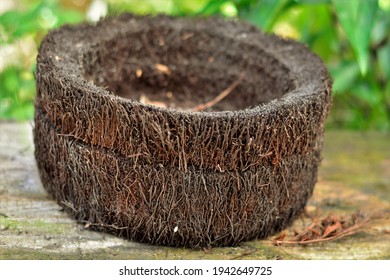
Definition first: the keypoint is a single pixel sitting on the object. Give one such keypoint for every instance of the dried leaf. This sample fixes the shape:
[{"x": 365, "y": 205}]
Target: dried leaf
[
  {"x": 145, "y": 100},
  {"x": 280, "y": 237},
  {"x": 163, "y": 68},
  {"x": 326, "y": 229},
  {"x": 330, "y": 229}
]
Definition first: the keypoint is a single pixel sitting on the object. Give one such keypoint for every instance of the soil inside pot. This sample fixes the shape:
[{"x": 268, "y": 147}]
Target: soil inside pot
[{"x": 187, "y": 68}]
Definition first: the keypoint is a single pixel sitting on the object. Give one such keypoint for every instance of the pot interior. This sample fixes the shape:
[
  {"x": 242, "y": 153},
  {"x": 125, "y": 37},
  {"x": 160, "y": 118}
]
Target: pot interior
[{"x": 187, "y": 69}]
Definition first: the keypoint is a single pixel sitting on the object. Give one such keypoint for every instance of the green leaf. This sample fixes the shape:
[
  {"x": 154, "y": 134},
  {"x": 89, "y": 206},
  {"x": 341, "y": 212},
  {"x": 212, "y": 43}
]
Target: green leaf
[
  {"x": 313, "y": 2},
  {"x": 357, "y": 19},
  {"x": 383, "y": 60},
  {"x": 18, "y": 23},
  {"x": 345, "y": 77},
  {"x": 17, "y": 91},
  {"x": 211, "y": 7},
  {"x": 263, "y": 13}
]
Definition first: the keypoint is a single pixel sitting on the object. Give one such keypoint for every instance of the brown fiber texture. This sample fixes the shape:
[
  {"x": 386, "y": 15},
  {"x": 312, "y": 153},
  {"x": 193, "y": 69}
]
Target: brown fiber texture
[{"x": 240, "y": 169}]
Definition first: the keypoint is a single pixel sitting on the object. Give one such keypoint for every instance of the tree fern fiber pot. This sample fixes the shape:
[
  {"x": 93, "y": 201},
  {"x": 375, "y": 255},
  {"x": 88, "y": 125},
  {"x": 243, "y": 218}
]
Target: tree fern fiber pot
[{"x": 178, "y": 131}]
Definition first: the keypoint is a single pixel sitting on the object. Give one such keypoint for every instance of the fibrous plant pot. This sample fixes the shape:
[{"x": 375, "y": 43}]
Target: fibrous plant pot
[{"x": 172, "y": 171}]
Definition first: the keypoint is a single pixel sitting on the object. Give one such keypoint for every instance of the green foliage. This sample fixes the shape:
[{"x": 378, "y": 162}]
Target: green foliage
[
  {"x": 357, "y": 19},
  {"x": 16, "y": 87},
  {"x": 351, "y": 36},
  {"x": 36, "y": 18},
  {"x": 361, "y": 88},
  {"x": 19, "y": 29},
  {"x": 261, "y": 13}
]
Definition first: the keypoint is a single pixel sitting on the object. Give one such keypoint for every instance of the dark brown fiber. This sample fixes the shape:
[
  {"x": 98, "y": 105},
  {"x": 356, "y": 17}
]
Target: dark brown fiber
[{"x": 240, "y": 169}]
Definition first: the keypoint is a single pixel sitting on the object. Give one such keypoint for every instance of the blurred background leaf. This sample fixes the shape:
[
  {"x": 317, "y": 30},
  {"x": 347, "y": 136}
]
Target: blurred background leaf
[
  {"x": 261, "y": 13},
  {"x": 357, "y": 19},
  {"x": 351, "y": 36}
]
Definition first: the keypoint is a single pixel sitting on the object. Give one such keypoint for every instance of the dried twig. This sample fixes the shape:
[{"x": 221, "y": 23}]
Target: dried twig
[
  {"x": 245, "y": 254},
  {"x": 219, "y": 97}
]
